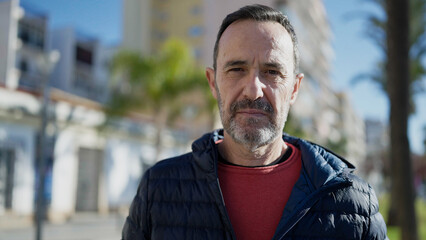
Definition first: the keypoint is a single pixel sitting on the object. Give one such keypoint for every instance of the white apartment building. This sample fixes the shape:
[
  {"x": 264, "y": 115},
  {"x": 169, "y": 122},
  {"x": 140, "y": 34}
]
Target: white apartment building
[{"x": 83, "y": 66}]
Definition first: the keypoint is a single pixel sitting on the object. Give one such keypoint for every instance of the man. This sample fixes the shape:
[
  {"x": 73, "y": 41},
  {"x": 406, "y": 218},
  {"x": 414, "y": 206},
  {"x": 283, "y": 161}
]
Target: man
[{"x": 249, "y": 181}]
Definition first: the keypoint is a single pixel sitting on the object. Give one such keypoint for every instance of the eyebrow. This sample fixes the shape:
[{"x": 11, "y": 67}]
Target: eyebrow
[
  {"x": 273, "y": 65},
  {"x": 234, "y": 63}
]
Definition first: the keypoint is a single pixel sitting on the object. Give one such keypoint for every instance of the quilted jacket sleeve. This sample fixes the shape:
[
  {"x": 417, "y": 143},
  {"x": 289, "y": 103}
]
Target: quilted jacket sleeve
[
  {"x": 377, "y": 228},
  {"x": 136, "y": 225}
]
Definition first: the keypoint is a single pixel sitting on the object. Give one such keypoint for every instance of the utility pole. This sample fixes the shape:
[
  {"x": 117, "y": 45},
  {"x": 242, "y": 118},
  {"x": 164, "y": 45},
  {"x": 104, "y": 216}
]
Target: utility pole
[{"x": 45, "y": 63}]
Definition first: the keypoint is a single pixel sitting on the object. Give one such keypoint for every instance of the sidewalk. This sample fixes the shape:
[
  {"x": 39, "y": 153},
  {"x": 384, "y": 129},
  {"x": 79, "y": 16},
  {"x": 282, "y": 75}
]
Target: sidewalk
[
  {"x": 10, "y": 221},
  {"x": 84, "y": 226}
]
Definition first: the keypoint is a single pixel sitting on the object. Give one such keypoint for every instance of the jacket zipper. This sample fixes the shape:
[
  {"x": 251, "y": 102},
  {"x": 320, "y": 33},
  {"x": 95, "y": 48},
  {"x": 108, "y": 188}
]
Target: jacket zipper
[
  {"x": 312, "y": 199},
  {"x": 223, "y": 207},
  {"x": 226, "y": 212}
]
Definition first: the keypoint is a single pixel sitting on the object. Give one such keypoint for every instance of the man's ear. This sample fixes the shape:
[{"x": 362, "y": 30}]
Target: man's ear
[
  {"x": 296, "y": 87},
  {"x": 210, "y": 74}
]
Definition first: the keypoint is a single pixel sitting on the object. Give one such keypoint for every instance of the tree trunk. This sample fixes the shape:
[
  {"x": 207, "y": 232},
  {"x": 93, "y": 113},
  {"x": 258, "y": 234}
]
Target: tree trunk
[
  {"x": 160, "y": 125},
  {"x": 398, "y": 79}
]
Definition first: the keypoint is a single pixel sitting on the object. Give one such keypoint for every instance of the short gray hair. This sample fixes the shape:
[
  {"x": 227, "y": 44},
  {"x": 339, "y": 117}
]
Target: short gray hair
[{"x": 258, "y": 13}]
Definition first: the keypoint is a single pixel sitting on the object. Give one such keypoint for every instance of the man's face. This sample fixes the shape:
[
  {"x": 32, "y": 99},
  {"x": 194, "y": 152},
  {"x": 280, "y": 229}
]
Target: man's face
[{"x": 254, "y": 82}]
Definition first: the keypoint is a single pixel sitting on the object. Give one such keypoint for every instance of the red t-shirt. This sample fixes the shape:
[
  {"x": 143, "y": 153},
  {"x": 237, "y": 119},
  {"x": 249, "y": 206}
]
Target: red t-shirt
[{"x": 255, "y": 197}]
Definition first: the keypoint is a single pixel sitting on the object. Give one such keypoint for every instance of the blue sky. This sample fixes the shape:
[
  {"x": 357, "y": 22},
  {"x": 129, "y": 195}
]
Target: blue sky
[{"x": 354, "y": 53}]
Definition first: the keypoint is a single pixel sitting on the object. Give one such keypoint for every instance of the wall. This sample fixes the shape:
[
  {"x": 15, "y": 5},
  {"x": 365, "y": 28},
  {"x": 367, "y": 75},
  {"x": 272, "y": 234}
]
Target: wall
[
  {"x": 22, "y": 139},
  {"x": 9, "y": 14}
]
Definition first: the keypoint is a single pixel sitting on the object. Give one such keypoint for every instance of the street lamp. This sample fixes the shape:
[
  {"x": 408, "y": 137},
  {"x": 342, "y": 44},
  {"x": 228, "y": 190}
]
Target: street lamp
[{"x": 45, "y": 63}]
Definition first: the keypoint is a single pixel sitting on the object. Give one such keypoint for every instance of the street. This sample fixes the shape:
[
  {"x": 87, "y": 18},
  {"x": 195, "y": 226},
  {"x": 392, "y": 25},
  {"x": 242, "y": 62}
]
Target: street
[{"x": 80, "y": 227}]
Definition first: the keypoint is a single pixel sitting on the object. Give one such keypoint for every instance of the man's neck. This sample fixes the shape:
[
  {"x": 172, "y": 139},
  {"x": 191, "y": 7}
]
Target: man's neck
[{"x": 240, "y": 155}]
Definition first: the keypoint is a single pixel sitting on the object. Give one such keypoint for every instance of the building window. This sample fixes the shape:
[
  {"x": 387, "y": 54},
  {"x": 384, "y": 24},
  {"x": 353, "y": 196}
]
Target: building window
[
  {"x": 23, "y": 66},
  {"x": 83, "y": 55},
  {"x": 31, "y": 35},
  {"x": 23, "y": 34}
]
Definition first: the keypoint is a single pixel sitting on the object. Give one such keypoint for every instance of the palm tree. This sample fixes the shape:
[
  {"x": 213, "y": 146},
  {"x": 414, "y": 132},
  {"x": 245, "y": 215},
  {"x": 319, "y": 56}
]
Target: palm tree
[
  {"x": 375, "y": 30},
  {"x": 400, "y": 35},
  {"x": 398, "y": 82},
  {"x": 152, "y": 84}
]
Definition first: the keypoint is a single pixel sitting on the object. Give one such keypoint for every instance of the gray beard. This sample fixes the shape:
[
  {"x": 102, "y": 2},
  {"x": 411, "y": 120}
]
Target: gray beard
[
  {"x": 255, "y": 137},
  {"x": 257, "y": 133}
]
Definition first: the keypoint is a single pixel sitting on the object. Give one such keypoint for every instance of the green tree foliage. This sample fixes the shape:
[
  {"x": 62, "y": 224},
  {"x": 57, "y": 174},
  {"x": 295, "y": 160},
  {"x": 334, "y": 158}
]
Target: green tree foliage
[{"x": 153, "y": 84}]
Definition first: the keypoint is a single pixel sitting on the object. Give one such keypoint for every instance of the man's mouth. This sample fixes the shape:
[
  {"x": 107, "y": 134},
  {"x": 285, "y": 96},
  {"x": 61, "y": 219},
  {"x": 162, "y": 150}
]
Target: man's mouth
[{"x": 252, "y": 112}]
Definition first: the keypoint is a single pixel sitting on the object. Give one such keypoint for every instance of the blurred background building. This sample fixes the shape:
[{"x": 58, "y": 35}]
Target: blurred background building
[
  {"x": 23, "y": 37},
  {"x": 377, "y": 167},
  {"x": 93, "y": 170}
]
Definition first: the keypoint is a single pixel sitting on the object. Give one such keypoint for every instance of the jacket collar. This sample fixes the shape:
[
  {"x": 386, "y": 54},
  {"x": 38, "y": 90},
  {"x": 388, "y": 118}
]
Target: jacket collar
[
  {"x": 205, "y": 151},
  {"x": 320, "y": 165},
  {"x": 321, "y": 170}
]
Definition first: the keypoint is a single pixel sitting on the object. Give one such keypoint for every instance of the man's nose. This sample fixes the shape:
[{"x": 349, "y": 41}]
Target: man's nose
[{"x": 253, "y": 86}]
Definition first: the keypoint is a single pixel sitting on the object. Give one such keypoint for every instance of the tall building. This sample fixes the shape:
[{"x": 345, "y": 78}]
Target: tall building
[
  {"x": 148, "y": 24},
  {"x": 317, "y": 104},
  {"x": 136, "y": 25}
]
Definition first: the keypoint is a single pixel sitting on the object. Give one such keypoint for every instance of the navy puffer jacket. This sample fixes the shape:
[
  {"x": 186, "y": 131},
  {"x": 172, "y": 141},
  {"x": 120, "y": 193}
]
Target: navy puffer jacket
[{"x": 180, "y": 198}]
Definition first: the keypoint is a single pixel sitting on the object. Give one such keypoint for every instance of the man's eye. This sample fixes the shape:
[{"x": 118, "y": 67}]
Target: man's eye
[
  {"x": 272, "y": 72},
  {"x": 236, "y": 69}
]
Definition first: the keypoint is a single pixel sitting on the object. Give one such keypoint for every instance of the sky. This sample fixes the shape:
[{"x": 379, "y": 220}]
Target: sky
[{"x": 353, "y": 52}]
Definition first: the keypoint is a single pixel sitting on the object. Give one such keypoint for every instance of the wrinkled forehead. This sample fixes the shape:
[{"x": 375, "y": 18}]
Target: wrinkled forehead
[{"x": 246, "y": 37}]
